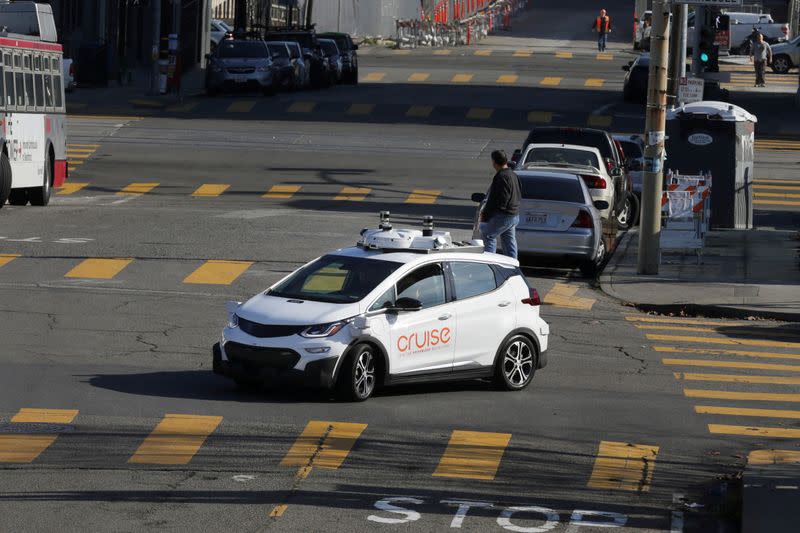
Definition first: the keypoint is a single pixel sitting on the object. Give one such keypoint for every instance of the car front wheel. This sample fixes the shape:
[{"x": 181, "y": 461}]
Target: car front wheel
[
  {"x": 516, "y": 364},
  {"x": 357, "y": 377},
  {"x": 781, "y": 64}
]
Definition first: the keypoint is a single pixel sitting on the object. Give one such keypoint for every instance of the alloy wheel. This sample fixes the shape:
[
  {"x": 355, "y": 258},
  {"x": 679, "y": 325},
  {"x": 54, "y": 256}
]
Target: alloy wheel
[
  {"x": 518, "y": 363},
  {"x": 364, "y": 375}
]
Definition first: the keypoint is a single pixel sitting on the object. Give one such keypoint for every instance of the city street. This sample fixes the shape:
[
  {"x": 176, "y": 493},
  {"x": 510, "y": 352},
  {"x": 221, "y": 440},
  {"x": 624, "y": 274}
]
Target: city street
[{"x": 112, "y": 297}]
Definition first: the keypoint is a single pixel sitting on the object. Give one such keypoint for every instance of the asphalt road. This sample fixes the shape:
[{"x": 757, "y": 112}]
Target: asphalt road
[{"x": 606, "y": 435}]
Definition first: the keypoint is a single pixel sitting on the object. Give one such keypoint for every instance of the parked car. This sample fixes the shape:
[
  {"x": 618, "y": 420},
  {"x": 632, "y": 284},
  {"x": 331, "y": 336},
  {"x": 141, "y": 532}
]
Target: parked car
[
  {"x": 348, "y": 49},
  {"x": 289, "y": 73},
  {"x": 584, "y": 161},
  {"x": 312, "y": 53},
  {"x": 558, "y": 219},
  {"x": 634, "y": 87},
  {"x": 334, "y": 58},
  {"x": 634, "y": 159},
  {"x": 239, "y": 65},
  {"x": 68, "y": 68},
  {"x": 219, "y": 29},
  {"x": 785, "y": 56},
  {"x": 296, "y": 53}
]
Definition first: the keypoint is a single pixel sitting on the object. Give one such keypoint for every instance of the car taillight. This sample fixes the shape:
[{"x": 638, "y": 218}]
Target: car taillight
[
  {"x": 584, "y": 220},
  {"x": 534, "y": 299},
  {"x": 594, "y": 182}
]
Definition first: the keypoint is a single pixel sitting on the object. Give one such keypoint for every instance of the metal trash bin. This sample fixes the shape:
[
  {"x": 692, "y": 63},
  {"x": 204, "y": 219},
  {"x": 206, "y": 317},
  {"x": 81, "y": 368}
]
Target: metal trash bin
[{"x": 719, "y": 138}]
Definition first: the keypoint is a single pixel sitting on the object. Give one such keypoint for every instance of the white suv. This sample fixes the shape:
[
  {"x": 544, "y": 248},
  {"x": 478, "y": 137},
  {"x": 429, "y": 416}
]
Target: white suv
[{"x": 402, "y": 306}]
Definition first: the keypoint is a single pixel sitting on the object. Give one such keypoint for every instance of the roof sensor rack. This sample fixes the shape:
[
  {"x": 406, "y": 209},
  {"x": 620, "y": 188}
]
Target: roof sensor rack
[{"x": 386, "y": 238}]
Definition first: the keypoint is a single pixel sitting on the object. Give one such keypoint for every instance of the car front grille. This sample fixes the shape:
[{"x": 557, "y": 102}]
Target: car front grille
[
  {"x": 266, "y": 331},
  {"x": 254, "y": 357},
  {"x": 241, "y": 70}
]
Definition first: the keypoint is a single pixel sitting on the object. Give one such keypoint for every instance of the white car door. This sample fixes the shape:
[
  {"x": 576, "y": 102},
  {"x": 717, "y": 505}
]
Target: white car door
[
  {"x": 421, "y": 341},
  {"x": 485, "y": 313}
]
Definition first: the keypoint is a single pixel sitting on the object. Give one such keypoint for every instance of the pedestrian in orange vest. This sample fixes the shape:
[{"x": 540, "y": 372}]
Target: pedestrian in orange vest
[{"x": 602, "y": 25}]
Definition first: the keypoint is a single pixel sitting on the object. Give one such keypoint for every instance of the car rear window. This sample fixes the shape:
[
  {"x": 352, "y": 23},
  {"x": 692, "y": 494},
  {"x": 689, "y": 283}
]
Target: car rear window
[
  {"x": 563, "y": 155},
  {"x": 246, "y": 49},
  {"x": 329, "y": 47},
  {"x": 278, "y": 50},
  {"x": 632, "y": 150},
  {"x": 595, "y": 139},
  {"x": 553, "y": 189}
]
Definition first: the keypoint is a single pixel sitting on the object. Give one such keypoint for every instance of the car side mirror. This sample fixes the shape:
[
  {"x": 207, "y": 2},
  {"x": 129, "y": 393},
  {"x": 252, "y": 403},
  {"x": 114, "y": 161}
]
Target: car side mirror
[
  {"x": 516, "y": 155},
  {"x": 512, "y": 164},
  {"x": 616, "y": 172},
  {"x": 626, "y": 67},
  {"x": 600, "y": 205},
  {"x": 478, "y": 197},
  {"x": 403, "y": 305}
]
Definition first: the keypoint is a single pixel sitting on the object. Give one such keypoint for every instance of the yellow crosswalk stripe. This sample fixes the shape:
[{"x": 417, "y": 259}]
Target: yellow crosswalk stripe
[
  {"x": 776, "y": 202},
  {"x": 7, "y": 258},
  {"x": 241, "y": 106},
  {"x": 599, "y": 121},
  {"x": 70, "y": 188},
  {"x": 731, "y": 364},
  {"x": 594, "y": 82},
  {"x": 773, "y": 457},
  {"x": 564, "y": 55},
  {"x": 302, "y": 107},
  {"x": 544, "y": 117},
  {"x": 211, "y": 189},
  {"x": 80, "y": 150},
  {"x": 423, "y": 196},
  {"x": 623, "y": 466},
  {"x": 282, "y": 192},
  {"x": 563, "y": 295},
  {"x": 419, "y": 111},
  {"x": 604, "y": 56},
  {"x": 79, "y": 145},
  {"x": 753, "y": 431},
  {"x": 472, "y": 455},
  {"x": 137, "y": 189},
  {"x": 375, "y": 76},
  {"x": 183, "y": 108},
  {"x": 442, "y": 52},
  {"x": 175, "y": 440},
  {"x": 522, "y": 53},
  {"x": 745, "y": 396},
  {"x": 551, "y": 81},
  {"x": 709, "y": 351},
  {"x": 352, "y": 194},
  {"x": 360, "y": 109},
  {"x": 507, "y": 78},
  {"x": 75, "y": 162},
  {"x": 738, "y": 378},
  {"x": 483, "y": 53},
  {"x": 479, "y": 113},
  {"x": 462, "y": 78},
  {"x": 278, "y": 510},
  {"x": 777, "y": 187},
  {"x": 660, "y": 320},
  {"x": 744, "y": 411},
  {"x": 419, "y": 76},
  {"x": 775, "y": 195},
  {"x": 323, "y": 444},
  {"x": 97, "y": 268},
  {"x": 24, "y": 447},
  {"x": 218, "y": 272},
  {"x": 675, "y": 328},
  {"x": 730, "y": 342},
  {"x": 77, "y": 156}
]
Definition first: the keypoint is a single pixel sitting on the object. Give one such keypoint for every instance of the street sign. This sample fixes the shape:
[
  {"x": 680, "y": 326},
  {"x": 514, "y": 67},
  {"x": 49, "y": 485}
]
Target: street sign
[
  {"x": 690, "y": 90},
  {"x": 709, "y": 2}
]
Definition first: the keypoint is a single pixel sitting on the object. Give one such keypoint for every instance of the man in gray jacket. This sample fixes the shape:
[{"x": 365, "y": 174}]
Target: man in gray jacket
[
  {"x": 500, "y": 214},
  {"x": 761, "y": 56}
]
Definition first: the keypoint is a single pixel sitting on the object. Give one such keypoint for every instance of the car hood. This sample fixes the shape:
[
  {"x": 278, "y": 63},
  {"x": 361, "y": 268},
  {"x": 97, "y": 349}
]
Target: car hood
[
  {"x": 266, "y": 309},
  {"x": 244, "y": 62}
]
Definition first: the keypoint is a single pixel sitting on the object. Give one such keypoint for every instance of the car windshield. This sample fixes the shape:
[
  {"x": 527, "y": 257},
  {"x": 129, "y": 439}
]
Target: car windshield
[
  {"x": 563, "y": 155},
  {"x": 329, "y": 47},
  {"x": 242, "y": 49},
  {"x": 278, "y": 50},
  {"x": 632, "y": 150},
  {"x": 550, "y": 188},
  {"x": 335, "y": 279}
]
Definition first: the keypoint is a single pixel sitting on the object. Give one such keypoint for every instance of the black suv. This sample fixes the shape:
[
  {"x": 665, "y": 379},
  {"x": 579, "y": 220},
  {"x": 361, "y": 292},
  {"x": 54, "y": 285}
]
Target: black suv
[
  {"x": 347, "y": 49},
  {"x": 312, "y": 52}
]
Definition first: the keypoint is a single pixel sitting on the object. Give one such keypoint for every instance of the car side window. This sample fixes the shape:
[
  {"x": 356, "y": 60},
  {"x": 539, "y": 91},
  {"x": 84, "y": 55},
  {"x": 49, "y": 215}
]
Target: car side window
[
  {"x": 472, "y": 279},
  {"x": 385, "y": 300},
  {"x": 425, "y": 284}
]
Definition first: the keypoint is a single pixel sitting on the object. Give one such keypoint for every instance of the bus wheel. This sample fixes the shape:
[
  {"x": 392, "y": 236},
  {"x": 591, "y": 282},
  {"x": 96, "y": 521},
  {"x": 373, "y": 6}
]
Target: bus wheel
[
  {"x": 41, "y": 195},
  {"x": 5, "y": 178},
  {"x": 18, "y": 197}
]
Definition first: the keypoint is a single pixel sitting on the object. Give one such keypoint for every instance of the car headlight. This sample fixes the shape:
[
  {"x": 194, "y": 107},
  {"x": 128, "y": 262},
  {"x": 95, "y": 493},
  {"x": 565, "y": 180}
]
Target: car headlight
[
  {"x": 233, "y": 320},
  {"x": 323, "y": 330}
]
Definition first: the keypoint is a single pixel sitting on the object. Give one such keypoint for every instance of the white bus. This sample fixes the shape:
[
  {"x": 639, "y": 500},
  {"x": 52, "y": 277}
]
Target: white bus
[{"x": 32, "y": 110}]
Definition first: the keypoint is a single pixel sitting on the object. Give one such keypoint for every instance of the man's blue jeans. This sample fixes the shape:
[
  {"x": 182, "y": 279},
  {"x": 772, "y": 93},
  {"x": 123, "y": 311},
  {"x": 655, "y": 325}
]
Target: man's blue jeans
[
  {"x": 505, "y": 227},
  {"x": 602, "y": 40}
]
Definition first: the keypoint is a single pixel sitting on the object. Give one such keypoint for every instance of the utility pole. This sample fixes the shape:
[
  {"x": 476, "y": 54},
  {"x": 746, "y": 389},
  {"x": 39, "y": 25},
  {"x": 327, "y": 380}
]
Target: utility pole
[
  {"x": 794, "y": 15},
  {"x": 309, "y": 12},
  {"x": 680, "y": 15},
  {"x": 650, "y": 226}
]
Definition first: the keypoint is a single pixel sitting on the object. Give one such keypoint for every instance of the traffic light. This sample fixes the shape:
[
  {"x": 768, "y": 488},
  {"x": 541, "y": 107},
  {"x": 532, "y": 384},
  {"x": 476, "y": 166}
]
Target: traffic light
[{"x": 709, "y": 52}]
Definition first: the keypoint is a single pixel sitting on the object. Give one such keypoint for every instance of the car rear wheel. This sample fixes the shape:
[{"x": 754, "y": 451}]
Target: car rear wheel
[
  {"x": 590, "y": 268},
  {"x": 5, "y": 178},
  {"x": 628, "y": 215},
  {"x": 781, "y": 64},
  {"x": 516, "y": 364},
  {"x": 18, "y": 197},
  {"x": 41, "y": 195},
  {"x": 358, "y": 375}
]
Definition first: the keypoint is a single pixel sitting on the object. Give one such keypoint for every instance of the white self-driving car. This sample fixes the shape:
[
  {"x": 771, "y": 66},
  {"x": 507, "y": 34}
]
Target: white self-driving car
[{"x": 402, "y": 306}]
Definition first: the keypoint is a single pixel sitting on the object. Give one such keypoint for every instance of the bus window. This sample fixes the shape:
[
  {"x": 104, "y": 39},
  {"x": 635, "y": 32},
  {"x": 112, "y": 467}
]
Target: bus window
[
  {"x": 55, "y": 64},
  {"x": 2, "y": 92},
  {"x": 48, "y": 90},
  {"x": 46, "y": 64},
  {"x": 38, "y": 89},
  {"x": 9, "y": 89},
  {"x": 20, "y": 89},
  {"x": 37, "y": 63},
  {"x": 7, "y": 60},
  {"x": 29, "y": 96},
  {"x": 17, "y": 61},
  {"x": 26, "y": 61},
  {"x": 58, "y": 92}
]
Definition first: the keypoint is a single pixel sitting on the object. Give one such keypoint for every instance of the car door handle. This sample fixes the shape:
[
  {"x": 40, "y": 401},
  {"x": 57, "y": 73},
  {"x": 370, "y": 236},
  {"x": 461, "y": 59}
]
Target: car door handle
[
  {"x": 504, "y": 304},
  {"x": 445, "y": 316}
]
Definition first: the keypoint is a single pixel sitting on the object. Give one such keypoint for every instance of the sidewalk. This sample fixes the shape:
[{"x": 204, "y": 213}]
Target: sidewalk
[{"x": 741, "y": 274}]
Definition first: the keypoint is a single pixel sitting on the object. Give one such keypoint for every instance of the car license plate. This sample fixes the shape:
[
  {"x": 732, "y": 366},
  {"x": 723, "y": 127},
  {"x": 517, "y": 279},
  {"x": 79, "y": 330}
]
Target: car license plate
[
  {"x": 240, "y": 79},
  {"x": 536, "y": 219}
]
